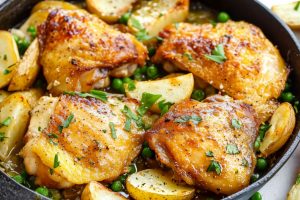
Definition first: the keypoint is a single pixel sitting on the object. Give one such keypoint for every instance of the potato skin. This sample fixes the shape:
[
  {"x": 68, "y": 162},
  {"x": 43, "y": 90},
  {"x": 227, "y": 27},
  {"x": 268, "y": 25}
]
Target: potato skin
[
  {"x": 288, "y": 14},
  {"x": 282, "y": 125}
]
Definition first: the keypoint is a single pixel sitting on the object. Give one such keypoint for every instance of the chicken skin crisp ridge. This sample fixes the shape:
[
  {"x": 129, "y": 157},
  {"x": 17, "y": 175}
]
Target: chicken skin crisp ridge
[
  {"x": 86, "y": 149},
  {"x": 253, "y": 72},
  {"x": 78, "y": 50},
  {"x": 189, "y": 147}
]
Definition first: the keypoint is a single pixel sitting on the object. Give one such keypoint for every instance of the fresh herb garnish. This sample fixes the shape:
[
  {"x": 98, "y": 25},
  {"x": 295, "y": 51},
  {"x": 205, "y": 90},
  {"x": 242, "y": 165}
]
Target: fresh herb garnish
[
  {"x": 232, "y": 149},
  {"x": 98, "y": 94},
  {"x": 193, "y": 118},
  {"x": 66, "y": 123},
  {"x": 245, "y": 162},
  {"x": 113, "y": 130},
  {"x": 52, "y": 135},
  {"x": 6, "y": 121},
  {"x": 55, "y": 163},
  {"x": 127, "y": 125},
  {"x": 32, "y": 31},
  {"x": 218, "y": 54},
  {"x": 2, "y": 136},
  {"x": 6, "y": 71},
  {"x": 5, "y": 57},
  {"x": 147, "y": 101},
  {"x": 236, "y": 123},
  {"x": 209, "y": 154},
  {"x": 264, "y": 127},
  {"x": 296, "y": 8},
  {"x": 214, "y": 167},
  {"x": 188, "y": 55},
  {"x": 164, "y": 106},
  {"x": 130, "y": 115},
  {"x": 298, "y": 179},
  {"x": 131, "y": 86}
]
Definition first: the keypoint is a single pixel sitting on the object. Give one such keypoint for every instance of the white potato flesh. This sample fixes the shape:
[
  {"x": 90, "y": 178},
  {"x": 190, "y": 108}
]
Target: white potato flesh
[
  {"x": 282, "y": 125},
  {"x": 157, "y": 14},
  {"x": 50, "y": 5},
  {"x": 97, "y": 191},
  {"x": 156, "y": 184},
  {"x": 109, "y": 11},
  {"x": 294, "y": 193},
  {"x": 35, "y": 19},
  {"x": 174, "y": 89},
  {"x": 26, "y": 69},
  {"x": 288, "y": 14},
  {"x": 9, "y": 56}
]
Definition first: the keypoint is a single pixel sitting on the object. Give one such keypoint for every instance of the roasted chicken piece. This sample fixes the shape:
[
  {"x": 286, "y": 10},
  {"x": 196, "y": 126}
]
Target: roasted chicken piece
[
  {"x": 209, "y": 143},
  {"x": 74, "y": 140},
  {"x": 78, "y": 51},
  {"x": 253, "y": 70}
]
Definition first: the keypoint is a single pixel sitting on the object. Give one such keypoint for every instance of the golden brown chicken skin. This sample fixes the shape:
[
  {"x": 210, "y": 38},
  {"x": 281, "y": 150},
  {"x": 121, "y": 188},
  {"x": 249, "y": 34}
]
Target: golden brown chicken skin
[
  {"x": 253, "y": 72},
  {"x": 86, "y": 135},
  {"x": 209, "y": 143},
  {"x": 79, "y": 51}
]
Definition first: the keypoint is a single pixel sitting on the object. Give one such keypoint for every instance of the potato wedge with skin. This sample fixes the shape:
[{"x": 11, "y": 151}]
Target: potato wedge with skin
[
  {"x": 155, "y": 184},
  {"x": 32, "y": 96},
  {"x": 3, "y": 95},
  {"x": 97, "y": 191},
  {"x": 282, "y": 125},
  {"x": 35, "y": 19},
  {"x": 49, "y": 5},
  {"x": 174, "y": 89},
  {"x": 157, "y": 14},
  {"x": 9, "y": 56},
  {"x": 26, "y": 70},
  {"x": 288, "y": 14},
  {"x": 109, "y": 11}
]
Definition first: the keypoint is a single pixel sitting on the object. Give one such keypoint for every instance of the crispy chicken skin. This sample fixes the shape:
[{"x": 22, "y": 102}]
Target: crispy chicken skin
[
  {"x": 254, "y": 71},
  {"x": 183, "y": 146},
  {"x": 78, "y": 51},
  {"x": 86, "y": 149}
]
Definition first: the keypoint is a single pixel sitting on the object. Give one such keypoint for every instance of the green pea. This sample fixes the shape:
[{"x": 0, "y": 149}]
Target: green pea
[
  {"x": 122, "y": 178},
  {"x": 22, "y": 44},
  {"x": 124, "y": 18},
  {"x": 152, "y": 72},
  {"x": 223, "y": 17},
  {"x": 151, "y": 51},
  {"x": 198, "y": 95},
  {"x": 257, "y": 143},
  {"x": 261, "y": 164},
  {"x": 43, "y": 191},
  {"x": 32, "y": 31},
  {"x": 127, "y": 80},
  {"x": 147, "y": 153},
  {"x": 287, "y": 97},
  {"x": 288, "y": 86},
  {"x": 117, "y": 84},
  {"x": 116, "y": 186},
  {"x": 18, "y": 178},
  {"x": 256, "y": 196},
  {"x": 254, "y": 178},
  {"x": 132, "y": 169},
  {"x": 143, "y": 69}
]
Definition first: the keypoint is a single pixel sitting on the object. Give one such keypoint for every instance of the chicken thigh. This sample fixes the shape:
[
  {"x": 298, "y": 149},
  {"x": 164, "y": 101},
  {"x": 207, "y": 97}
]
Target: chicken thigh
[
  {"x": 251, "y": 69},
  {"x": 74, "y": 140},
  {"x": 78, "y": 51},
  {"x": 209, "y": 143}
]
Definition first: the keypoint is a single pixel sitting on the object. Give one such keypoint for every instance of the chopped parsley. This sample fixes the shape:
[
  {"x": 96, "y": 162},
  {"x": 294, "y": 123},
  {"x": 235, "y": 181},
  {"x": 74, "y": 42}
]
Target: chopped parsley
[
  {"x": 55, "y": 163},
  {"x": 131, "y": 86},
  {"x": 296, "y": 8},
  {"x": 263, "y": 129},
  {"x": 298, "y": 179},
  {"x": 142, "y": 34},
  {"x": 214, "y": 167},
  {"x": 5, "y": 57},
  {"x": 193, "y": 118},
  {"x": 131, "y": 116},
  {"x": 146, "y": 102},
  {"x": 127, "y": 126},
  {"x": 98, "y": 94},
  {"x": 232, "y": 149},
  {"x": 32, "y": 31},
  {"x": 164, "y": 106},
  {"x": 2, "y": 136},
  {"x": 209, "y": 154},
  {"x": 66, "y": 123},
  {"x": 6, "y": 121},
  {"x": 52, "y": 135},
  {"x": 113, "y": 130},
  {"x": 218, "y": 54},
  {"x": 245, "y": 162},
  {"x": 236, "y": 123},
  {"x": 188, "y": 55},
  {"x": 6, "y": 71}
]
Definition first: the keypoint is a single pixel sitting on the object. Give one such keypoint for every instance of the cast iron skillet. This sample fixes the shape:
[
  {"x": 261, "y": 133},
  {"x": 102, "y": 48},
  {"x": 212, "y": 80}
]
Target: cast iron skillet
[{"x": 13, "y": 11}]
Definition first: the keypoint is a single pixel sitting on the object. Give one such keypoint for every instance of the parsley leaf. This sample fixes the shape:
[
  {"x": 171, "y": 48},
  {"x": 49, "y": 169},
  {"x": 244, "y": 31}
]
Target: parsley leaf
[
  {"x": 193, "y": 118},
  {"x": 2, "y": 136},
  {"x": 66, "y": 123},
  {"x": 164, "y": 106},
  {"x": 6, "y": 121},
  {"x": 113, "y": 130},
  {"x": 296, "y": 8},
  {"x": 218, "y": 54},
  {"x": 236, "y": 123},
  {"x": 298, "y": 179},
  {"x": 232, "y": 149},
  {"x": 6, "y": 71},
  {"x": 209, "y": 154},
  {"x": 55, "y": 163},
  {"x": 130, "y": 115},
  {"x": 188, "y": 55},
  {"x": 263, "y": 129},
  {"x": 127, "y": 126},
  {"x": 52, "y": 135},
  {"x": 147, "y": 101},
  {"x": 136, "y": 24},
  {"x": 214, "y": 166},
  {"x": 245, "y": 162},
  {"x": 98, "y": 94}
]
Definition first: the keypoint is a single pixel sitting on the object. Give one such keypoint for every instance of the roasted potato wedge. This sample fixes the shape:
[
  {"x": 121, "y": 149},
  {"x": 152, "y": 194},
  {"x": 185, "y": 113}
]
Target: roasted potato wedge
[
  {"x": 157, "y": 14},
  {"x": 9, "y": 56},
  {"x": 294, "y": 193},
  {"x": 174, "y": 89},
  {"x": 49, "y": 5},
  {"x": 282, "y": 125},
  {"x": 109, "y": 11},
  {"x": 35, "y": 20},
  {"x": 156, "y": 184},
  {"x": 97, "y": 191},
  {"x": 289, "y": 14},
  {"x": 26, "y": 70},
  {"x": 14, "y": 118},
  {"x": 3, "y": 95}
]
